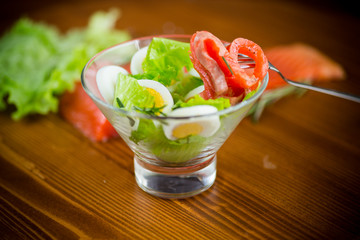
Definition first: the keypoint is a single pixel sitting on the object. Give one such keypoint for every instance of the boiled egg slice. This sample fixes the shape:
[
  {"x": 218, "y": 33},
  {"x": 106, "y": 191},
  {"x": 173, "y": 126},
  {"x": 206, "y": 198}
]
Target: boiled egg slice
[
  {"x": 160, "y": 92},
  {"x": 106, "y": 78},
  {"x": 205, "y": 126},
  {"x": 194, "y": 92},
  {"x": 137, "y": 60}
]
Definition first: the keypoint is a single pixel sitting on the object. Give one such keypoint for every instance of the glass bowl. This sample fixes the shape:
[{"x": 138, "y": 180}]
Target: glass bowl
[{"x": 163, "y": 167}]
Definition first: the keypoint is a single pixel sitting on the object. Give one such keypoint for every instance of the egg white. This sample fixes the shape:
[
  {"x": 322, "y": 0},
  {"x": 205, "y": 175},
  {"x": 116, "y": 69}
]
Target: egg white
[
  {"x": 162, "y": 90},
  {"x": 106, "y": 78},
  {"x": 210, "y": 124},
  {"x": 194, "y": 92},
  {"x": 137, "y": 60}
]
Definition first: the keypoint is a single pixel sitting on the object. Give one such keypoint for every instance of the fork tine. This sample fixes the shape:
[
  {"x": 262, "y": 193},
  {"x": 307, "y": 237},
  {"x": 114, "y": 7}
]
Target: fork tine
[
  {"x": 245, "y": 61},
  {"x": 244, "y": 58},
  {"x": 243, "y": 55},
  {"x": 245, "y": 66}
]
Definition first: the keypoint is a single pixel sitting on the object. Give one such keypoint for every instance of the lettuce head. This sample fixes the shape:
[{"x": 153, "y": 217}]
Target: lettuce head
[{"x": 38, "y": 62}]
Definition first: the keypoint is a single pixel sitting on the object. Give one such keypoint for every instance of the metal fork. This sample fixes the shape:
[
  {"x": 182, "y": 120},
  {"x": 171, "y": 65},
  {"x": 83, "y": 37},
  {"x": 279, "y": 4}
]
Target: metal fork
[{"x": 247, "y": 62}]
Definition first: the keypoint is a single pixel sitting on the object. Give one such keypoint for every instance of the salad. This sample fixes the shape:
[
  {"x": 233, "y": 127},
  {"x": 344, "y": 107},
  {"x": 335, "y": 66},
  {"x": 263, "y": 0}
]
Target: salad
[{"x": 170, "y": 78}]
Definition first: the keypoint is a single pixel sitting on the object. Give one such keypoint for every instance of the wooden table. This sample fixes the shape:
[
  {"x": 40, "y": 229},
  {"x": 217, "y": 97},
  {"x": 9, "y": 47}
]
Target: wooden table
[{"x": 293, "y": 175}]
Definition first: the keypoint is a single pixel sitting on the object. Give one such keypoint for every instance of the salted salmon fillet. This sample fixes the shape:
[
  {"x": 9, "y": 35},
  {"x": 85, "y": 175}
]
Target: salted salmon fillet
[
  {"x": 77, "y": 108},
  {"x": 301, "y": 62}
]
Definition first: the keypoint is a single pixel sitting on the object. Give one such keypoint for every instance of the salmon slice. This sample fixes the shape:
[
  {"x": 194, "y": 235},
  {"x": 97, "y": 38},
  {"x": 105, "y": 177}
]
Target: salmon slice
[
  {"x": 78, "y": 109},
  {"x": 301, "y": 62}
]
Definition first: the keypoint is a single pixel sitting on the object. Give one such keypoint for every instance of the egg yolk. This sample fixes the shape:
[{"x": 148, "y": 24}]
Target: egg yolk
[
  {"x": 187, "y": 129},
  {"x": 159, "y": 101}
]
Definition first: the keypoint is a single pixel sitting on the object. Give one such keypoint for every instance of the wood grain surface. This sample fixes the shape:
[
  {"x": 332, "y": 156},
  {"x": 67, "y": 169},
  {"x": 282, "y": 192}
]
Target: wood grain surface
[{"x": 293, "y": 175}]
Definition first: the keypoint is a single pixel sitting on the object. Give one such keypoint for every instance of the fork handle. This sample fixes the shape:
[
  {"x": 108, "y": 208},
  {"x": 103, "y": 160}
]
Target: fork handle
[{"x": 332, "y": 92}]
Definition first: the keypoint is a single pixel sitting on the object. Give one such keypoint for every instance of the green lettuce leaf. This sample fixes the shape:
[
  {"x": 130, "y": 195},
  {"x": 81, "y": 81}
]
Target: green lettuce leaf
[
  {"x": 219, "y": 103},
  {"x": 183, "y": 87},
  {"x": 145, "y": 130},
  {"x": 168, "y": 62},
  {"x": 154, "y": 139},
  {"x": 130, "y": 93},
  {"x": 177, "y": 151},
  {"x": 28, "y": 55},
  {"x": 38, "y": 63},
  {"x": 252, "y": 93},
  {"x": 166, "y": 59}
]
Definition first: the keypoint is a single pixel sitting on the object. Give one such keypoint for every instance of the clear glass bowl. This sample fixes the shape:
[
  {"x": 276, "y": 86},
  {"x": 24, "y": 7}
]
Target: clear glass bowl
[{"x": 163, "y": 167}]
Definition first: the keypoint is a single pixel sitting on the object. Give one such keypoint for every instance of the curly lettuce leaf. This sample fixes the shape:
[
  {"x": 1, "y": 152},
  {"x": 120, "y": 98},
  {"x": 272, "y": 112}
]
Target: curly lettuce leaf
[
  {"x": 219, "y": 103},
  {"x": 177, "y": 151},
  {"x": 183, "y": 87},
  {"x": 130, "y": 93},
  {"x": 38, "y": 63},
  {"x": 29, "y": 52},
  {"x": 166, "y": 59},
  {"x": 173, "y": 151}
]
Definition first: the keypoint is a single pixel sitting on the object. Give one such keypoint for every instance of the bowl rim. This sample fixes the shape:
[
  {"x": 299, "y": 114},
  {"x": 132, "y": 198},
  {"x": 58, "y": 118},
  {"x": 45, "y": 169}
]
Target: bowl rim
[{"x": 225, "y": 111}]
